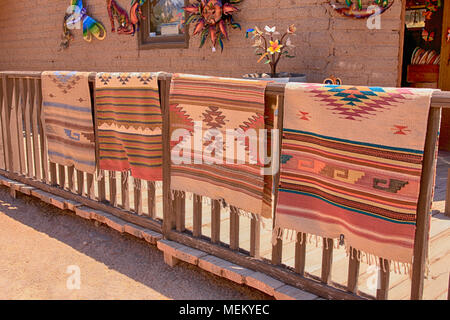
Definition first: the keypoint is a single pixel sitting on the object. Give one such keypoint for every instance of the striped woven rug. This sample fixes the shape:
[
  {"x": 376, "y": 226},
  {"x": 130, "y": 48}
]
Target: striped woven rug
[
  {"x": 67, "y": 119},
  {"x": 129, "y": 124},
  {"x": 202, "y": 109},
  {"x": 351, "y": 167}
]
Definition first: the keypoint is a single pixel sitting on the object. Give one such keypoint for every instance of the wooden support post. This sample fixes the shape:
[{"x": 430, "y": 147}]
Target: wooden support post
[
  {"x": 164, "y": 87},
  {"x": 180, "y": 211},
  {"x": 353, "y": 271},
  {"x": 383, "y": 281},
  {"x": 6, "y": 122},
  {"x": 35, "y": 116},
  {"x": 151, "y": 199},
  {"x": 300, "y": 253},
  {"x": 28, "y": 138},
  {"x": 62, "y": 176},
  {"x": 255, "y": 238},
  {"x": 424, "y": 205},
  {"x": 53, "y": 175},
  {"x": 138, "y": 196},
  {"x": 447, "y": 198},
  {"x": 112, "y": 188},
  {"x": 80, "y": 182},
  {"x": 20, "y": 137},
  {"x": 124, "y": 186},
  {"x": 70, "y": 178},
  {"x": 327, "y": 260},
  {"x": 215, "y": 221},
  {"x": 197, "y": 212},
  {"x": 234, "y": 228}
]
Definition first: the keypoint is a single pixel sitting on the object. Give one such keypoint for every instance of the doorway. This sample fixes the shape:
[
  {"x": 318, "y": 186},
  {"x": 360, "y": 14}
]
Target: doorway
[{"x": 426, "y": 51}]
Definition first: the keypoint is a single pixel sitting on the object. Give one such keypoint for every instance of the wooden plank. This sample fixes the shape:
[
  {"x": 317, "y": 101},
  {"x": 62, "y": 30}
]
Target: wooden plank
[
  {"x": 80, "y": 182},
  {"x": 53, "y": 175},
  {"x": 215, "y": 221},
  {"x": 151, "y": 199},
  {"x": 6, "y": 101},
  {"x": 234, "y": 228},
  {"x": 102, "y": 187},
  {"x": 383, "y": 280},
  {"x": 112, "y": 188},
  {"x": 20, "y": 132},
  {"x": 447, "y": 197},
  {"x": 70, "y": 178},
  {"x": 137, "y": 196},
  {"x": 180, "y": 211},
  {"x": 90, "y": 185},
  {"x": 300, "y": 253},
  {"x": 327, "y": 260},
  {"x": 35, "y": 115},
  {"x": 15, "y": 152},
  {"x": 168, "y": 220},
  {"x": 424, "y": 205},
  {"x": 62, "y": 176},
  {"x": 255, "y": 238},
  {"x": 402, "y": 43},
  {"x": 277, "y": 249},
  {"x": 28, "y": 138},
  {"x": 197, "y": 219},
  {"x": 124, "y": 186},
  {"x": 353, "y": 271},
  {"x": 42, "y": 142}
]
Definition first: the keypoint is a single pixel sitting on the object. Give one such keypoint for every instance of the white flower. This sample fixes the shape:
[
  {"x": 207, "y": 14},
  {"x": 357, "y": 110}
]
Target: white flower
[{"x": 269, "y": 29}]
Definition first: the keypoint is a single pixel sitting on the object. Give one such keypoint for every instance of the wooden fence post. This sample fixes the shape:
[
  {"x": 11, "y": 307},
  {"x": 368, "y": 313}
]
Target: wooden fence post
[
  {"x": 447, "y": 198},
  {"x": 168, "y": 219},
  {"x": 424, "y": 205}
]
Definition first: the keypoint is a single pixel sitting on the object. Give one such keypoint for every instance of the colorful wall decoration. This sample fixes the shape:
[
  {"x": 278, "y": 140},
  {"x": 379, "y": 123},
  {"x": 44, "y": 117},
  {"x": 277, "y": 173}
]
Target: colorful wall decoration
[
  {"x": 212, "y": 18},
  {"x": 76, "y": 16},
  {"x": 128, "y": 24},
  {"x": 355, "y": 9}
]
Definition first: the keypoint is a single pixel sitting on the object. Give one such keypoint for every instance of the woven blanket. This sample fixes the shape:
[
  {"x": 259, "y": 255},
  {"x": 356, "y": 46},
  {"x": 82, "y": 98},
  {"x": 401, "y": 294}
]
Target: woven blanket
[
  {"x": 129, "y": 124},
  {"x": 202, "y": 109},
  {"x": 351, "y": 165},
  {"x": 67, "y": 119}
]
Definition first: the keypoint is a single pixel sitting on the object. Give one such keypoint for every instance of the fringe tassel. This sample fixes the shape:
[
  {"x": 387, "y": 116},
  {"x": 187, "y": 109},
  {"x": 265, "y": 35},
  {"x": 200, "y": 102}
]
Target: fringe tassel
[
  {"x": 158, "y": 184},
  {"x": 100, "y": 174},
  {"x": 137, "y": 184}
]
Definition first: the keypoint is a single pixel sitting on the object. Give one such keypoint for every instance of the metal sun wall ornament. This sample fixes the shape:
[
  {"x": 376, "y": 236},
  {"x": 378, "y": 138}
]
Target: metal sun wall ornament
[
  {"x": 355, "y": 9},
  {"x": 76, "y": 17},
  {"x": 128, "y": 24},
  {"x": 212, "y": 18}
]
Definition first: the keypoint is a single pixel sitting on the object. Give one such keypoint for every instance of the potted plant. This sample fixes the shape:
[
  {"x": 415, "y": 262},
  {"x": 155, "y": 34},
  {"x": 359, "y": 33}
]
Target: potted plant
[{"x": 271, "y": 46}]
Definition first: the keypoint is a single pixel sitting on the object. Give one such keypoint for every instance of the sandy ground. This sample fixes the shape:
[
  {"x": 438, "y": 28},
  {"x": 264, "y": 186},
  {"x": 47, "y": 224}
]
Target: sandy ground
[{"x": 41, "y": 249}]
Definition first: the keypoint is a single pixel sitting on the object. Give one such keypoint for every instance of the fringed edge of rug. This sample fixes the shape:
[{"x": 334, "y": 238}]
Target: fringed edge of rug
[{"x": 402, "y": 268}]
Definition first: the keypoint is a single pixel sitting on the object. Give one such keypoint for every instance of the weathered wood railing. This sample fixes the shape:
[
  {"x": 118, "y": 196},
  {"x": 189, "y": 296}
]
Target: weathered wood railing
[{"x": 25, "y": 160}]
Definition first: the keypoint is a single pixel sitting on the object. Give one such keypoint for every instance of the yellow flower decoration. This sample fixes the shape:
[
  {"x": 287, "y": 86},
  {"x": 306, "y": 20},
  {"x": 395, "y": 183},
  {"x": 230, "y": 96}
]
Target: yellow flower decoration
[{"x": 275, "y": 46}]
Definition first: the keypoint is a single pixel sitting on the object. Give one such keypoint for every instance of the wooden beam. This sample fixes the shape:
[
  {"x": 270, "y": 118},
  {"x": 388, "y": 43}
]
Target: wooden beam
[
  {"x": 197, "y": 212},
  {"x": 300, "y": 253}
]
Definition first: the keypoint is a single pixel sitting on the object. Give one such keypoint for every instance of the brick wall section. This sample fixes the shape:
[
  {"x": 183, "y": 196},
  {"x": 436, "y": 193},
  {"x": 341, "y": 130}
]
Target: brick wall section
[{"x": 326, "y": 43}]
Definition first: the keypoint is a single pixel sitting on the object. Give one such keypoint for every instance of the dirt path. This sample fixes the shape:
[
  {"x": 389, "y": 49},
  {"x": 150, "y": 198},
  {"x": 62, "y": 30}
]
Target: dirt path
[{"x": 38, "y": 244}]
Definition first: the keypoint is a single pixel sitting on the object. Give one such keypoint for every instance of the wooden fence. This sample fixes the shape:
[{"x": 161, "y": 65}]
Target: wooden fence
[{"x": 25, "y": 160}]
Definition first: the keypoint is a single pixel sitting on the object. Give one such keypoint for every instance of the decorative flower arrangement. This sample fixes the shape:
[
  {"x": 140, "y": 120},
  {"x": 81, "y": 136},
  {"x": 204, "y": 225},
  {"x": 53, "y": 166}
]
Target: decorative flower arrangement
[
  {"x": 271, "y": 46},
  {"x": 212, "y": 18}
]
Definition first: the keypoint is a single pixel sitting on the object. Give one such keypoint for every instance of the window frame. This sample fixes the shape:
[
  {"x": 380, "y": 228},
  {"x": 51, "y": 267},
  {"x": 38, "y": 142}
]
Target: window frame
[{"x": 161, "y": 42}]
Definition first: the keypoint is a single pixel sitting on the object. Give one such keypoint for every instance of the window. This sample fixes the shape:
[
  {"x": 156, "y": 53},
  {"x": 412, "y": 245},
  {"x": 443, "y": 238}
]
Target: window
[{"x": 163, "y": 26}]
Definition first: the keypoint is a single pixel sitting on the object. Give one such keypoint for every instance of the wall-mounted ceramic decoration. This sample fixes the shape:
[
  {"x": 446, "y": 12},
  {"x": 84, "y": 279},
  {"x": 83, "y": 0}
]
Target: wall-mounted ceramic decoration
[
  {"x": 212, "y": 18},
  {"x": 128, "y": 24},
  {"x": 76, "y": 18},
  {"x": 356, "y": 10}
]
